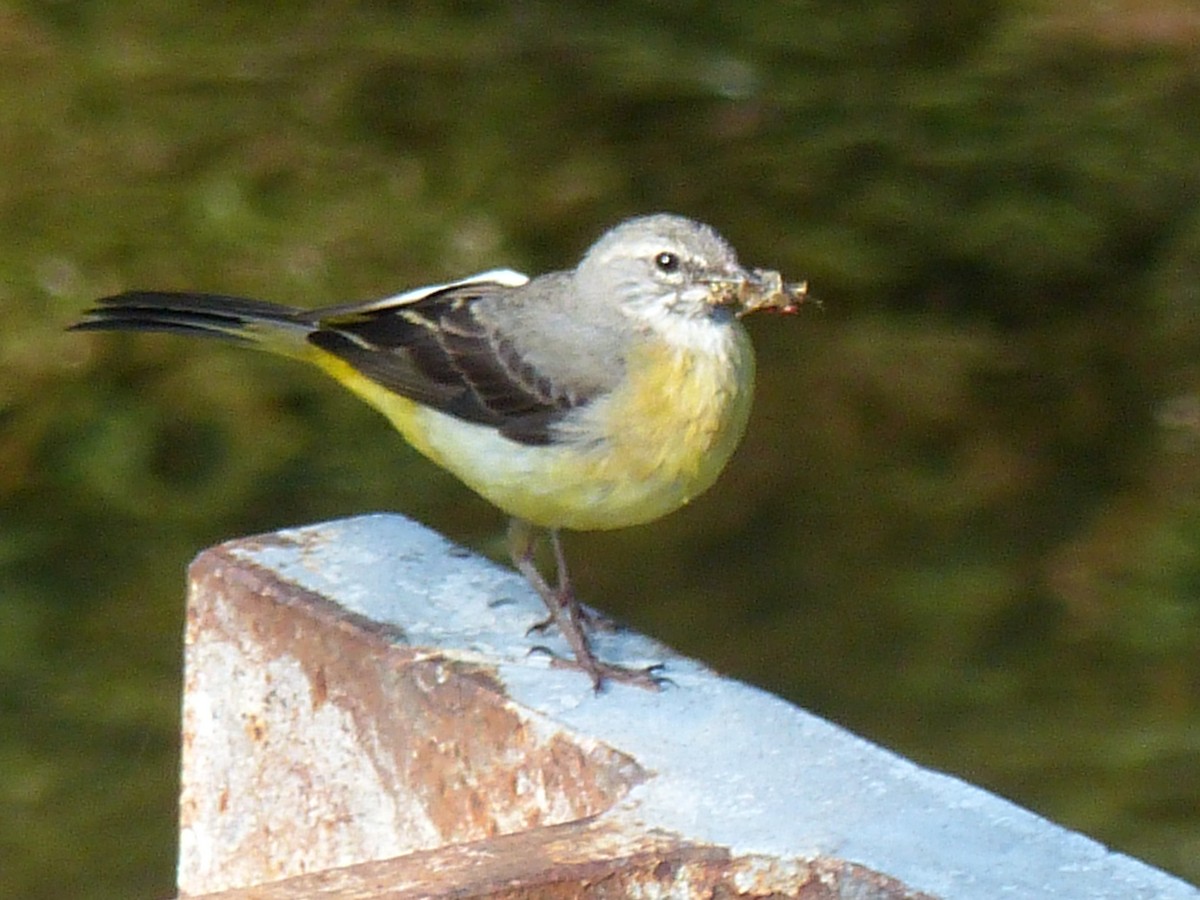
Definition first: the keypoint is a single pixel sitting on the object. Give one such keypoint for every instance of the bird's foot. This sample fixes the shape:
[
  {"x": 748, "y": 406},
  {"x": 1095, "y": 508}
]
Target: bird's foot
[{"x": 648, "y": 678}]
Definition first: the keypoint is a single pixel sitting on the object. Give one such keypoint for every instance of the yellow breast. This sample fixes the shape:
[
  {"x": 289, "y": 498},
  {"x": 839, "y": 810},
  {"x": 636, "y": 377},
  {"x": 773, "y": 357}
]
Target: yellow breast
[
  {"x": 628, "y": 458},
  {"x": 671, "y": 431}
]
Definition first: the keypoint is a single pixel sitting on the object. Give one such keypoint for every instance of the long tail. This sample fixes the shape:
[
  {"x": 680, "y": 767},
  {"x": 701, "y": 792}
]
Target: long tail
[{"x": 280, "y": 329}]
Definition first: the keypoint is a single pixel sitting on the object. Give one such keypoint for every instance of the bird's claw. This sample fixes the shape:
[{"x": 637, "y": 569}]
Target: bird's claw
[{"x": 647, "y": 678}]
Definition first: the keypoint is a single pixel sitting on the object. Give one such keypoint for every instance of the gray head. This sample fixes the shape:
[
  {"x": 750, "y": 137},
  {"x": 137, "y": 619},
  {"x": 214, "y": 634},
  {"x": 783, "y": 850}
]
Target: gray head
[{"x": 659, "y": 268}]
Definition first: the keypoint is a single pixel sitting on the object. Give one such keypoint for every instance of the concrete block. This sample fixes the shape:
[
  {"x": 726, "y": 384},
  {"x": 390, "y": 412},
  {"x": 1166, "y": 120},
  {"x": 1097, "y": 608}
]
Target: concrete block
[{"x": 363, "y": 718}]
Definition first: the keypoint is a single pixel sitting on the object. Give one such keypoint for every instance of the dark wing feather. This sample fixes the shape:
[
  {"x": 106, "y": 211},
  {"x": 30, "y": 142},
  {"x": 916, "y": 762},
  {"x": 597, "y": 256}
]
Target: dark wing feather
[{"x": 437, "y": 351}]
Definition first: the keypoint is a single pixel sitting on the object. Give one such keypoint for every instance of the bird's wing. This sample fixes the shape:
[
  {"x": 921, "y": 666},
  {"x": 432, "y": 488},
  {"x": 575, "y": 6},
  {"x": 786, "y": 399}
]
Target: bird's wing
[{"x": 438, "y": 346}]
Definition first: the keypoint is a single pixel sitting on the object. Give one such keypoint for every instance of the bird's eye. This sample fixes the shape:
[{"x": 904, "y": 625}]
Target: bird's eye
[{"x": 667, "y": 262}]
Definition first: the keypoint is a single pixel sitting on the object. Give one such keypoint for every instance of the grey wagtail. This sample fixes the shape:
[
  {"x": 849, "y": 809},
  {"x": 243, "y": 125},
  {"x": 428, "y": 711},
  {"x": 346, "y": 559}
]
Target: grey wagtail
[{"x": 595, "y": 398}]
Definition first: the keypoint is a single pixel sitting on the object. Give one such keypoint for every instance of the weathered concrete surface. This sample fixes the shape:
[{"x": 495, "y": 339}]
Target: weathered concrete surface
[{"x": 360, "y": 694}]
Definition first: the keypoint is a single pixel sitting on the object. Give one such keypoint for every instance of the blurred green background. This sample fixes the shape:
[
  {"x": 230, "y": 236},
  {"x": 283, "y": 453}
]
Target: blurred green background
[{"x": 966, "y": 518}]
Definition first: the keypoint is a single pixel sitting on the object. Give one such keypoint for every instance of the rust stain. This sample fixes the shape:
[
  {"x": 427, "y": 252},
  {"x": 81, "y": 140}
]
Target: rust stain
[
  {"x": 408, "y": 707},
  {"x": 594, "y": 859},
  {"x": 320, "y": 685},
  {"x": 255, "y": 727}
]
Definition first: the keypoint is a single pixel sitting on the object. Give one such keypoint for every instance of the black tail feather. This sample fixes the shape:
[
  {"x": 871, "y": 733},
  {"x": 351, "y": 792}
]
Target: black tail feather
[{"x": 206, "y": 315}]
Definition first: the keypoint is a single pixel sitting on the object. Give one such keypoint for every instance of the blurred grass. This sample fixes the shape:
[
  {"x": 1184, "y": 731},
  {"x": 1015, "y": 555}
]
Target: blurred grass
[{"x": 964, "y": 522}]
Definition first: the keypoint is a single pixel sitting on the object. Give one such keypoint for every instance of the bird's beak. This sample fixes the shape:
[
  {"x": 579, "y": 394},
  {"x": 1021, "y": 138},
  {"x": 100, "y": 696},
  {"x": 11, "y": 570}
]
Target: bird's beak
[{"x": 756, "y": 290}]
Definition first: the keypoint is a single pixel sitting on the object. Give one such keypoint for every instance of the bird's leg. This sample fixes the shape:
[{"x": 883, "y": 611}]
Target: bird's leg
[
  {"x": 566, "y": 612},
  {"x": 522, "y": 545},
  {"x": 587, "y": 618}
]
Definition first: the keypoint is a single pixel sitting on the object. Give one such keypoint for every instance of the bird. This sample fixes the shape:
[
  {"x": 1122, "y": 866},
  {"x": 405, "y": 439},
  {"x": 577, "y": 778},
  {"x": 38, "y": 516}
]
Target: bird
[{"x": 592, "y": 398}]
